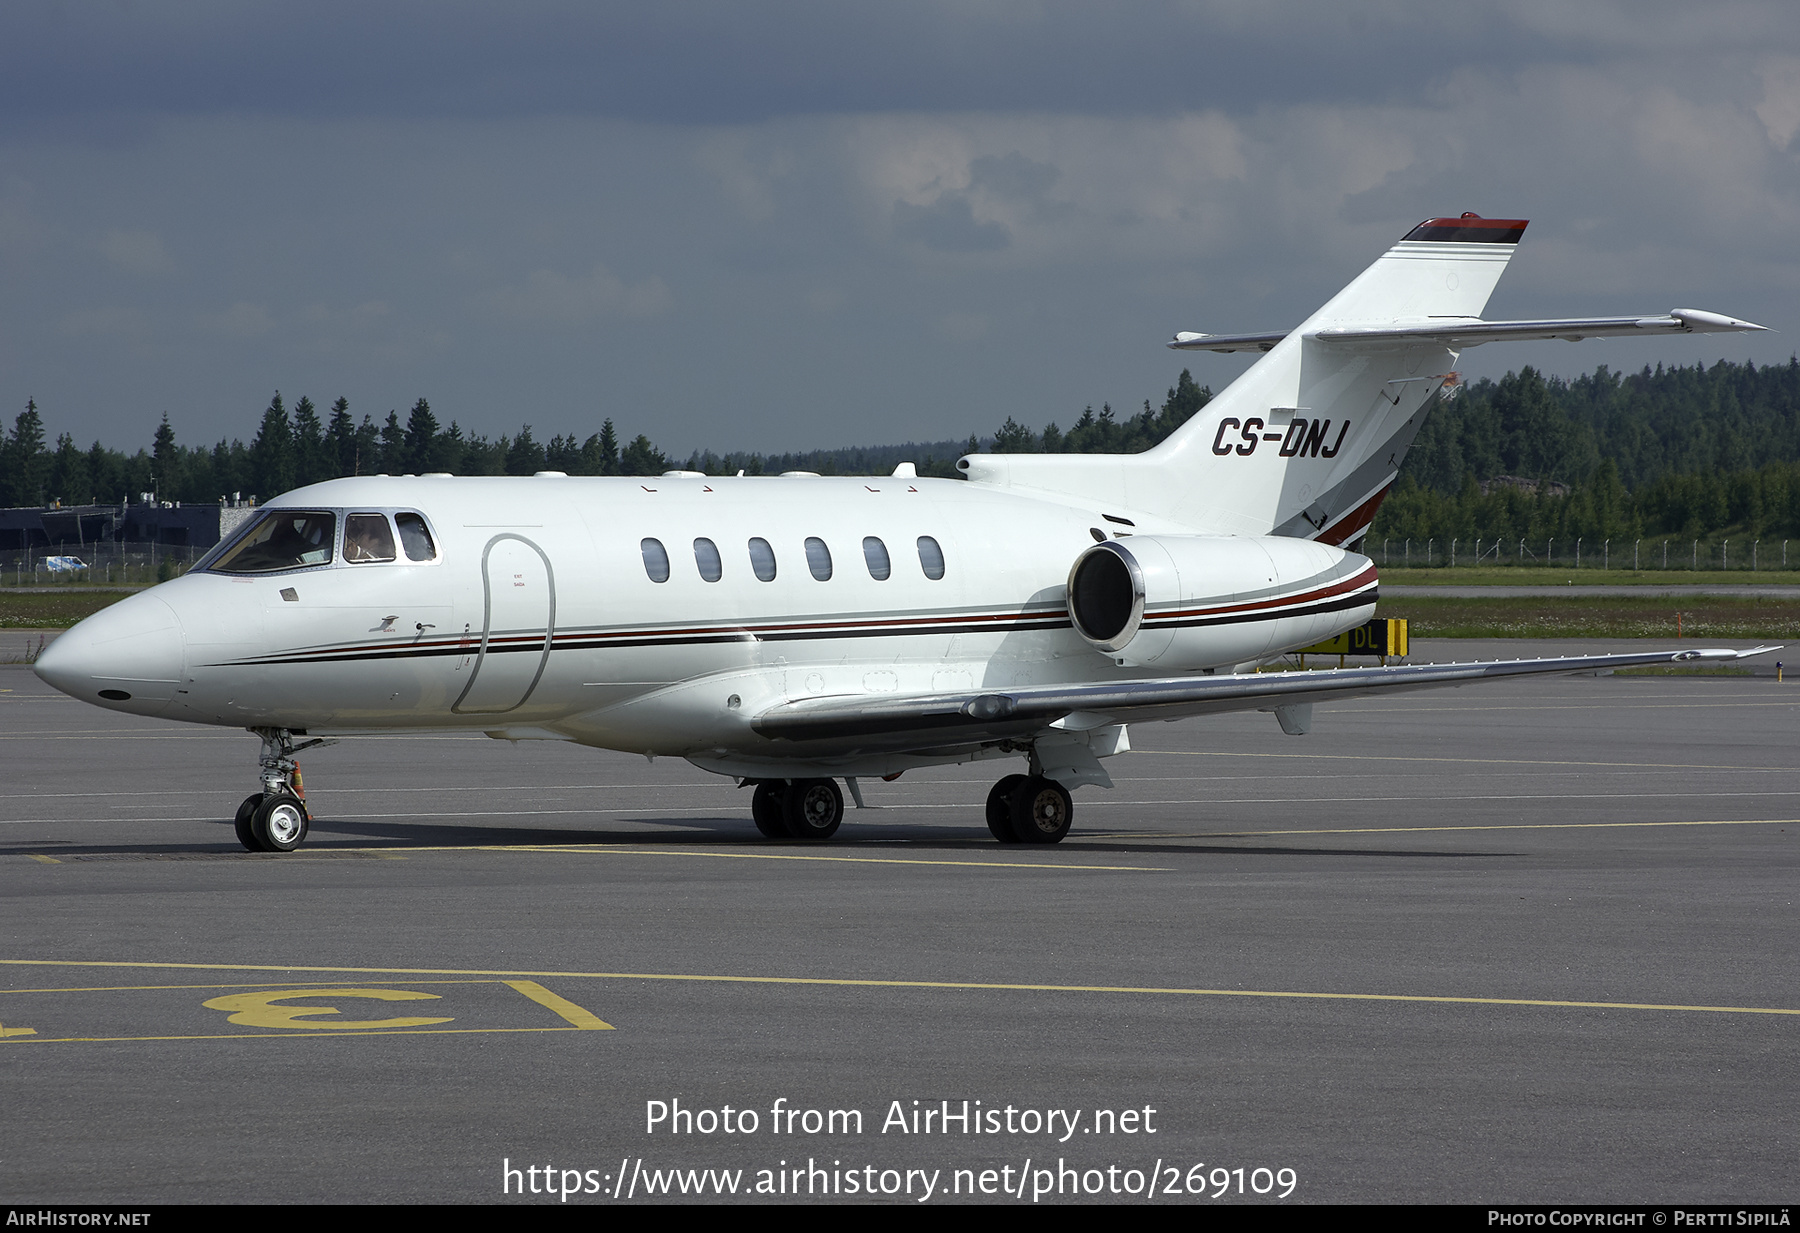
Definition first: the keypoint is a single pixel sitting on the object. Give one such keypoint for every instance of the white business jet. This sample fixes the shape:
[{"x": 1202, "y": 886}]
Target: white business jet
[{"x": 795, "y": 631}]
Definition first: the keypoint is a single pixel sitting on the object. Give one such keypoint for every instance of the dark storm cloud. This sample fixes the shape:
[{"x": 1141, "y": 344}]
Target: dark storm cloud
[
  {"x": 732, "y": 62},
  {"x": 783, "y": 224}
]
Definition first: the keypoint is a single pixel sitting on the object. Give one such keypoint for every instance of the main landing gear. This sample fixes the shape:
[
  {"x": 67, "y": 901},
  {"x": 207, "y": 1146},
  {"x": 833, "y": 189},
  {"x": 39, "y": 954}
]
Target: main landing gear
[
  {"x": 275, "y": 819},
  {"x": 1020, "y": 809},
  {"x": 1029, "y": 809},
  {"x": 797, "y": 808}
]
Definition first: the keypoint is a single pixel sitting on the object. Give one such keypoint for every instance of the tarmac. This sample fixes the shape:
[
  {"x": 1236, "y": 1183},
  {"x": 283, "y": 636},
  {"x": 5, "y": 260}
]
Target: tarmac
[{"x": 1532, "y": 941}]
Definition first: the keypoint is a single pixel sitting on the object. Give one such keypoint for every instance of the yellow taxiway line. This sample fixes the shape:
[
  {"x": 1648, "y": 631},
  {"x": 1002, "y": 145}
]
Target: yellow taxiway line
[{"x": 972, "y": 986}]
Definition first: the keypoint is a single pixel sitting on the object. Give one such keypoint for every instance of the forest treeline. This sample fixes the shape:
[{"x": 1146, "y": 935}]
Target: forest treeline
[
  {"x": 299, "y": 446},
  {"x": 1693, "y": 451},
  {"x": 1671, "y": 451}
]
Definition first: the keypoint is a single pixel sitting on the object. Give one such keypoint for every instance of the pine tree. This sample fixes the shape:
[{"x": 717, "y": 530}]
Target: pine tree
[
  {"x": 312, "y": 462},
  {"x": 1014, "y": 438},
  {"x": 420, "y": 448},
  {"x": 340, "y": 439},
  {"x": 393, "y": 446},
  {"x": 609, "y": 450},
  {"x": 524, "y": 456},
  {"x": 165, "y": 457},
  {"x": 642, "y": 458},
  {"x": 272, "y": 453},
  {"x": 23, "y": 462},
  {"x": 367, "y": 457},
  {"x": 451, "y": 451},
  {"x": 69, "y": 473}
]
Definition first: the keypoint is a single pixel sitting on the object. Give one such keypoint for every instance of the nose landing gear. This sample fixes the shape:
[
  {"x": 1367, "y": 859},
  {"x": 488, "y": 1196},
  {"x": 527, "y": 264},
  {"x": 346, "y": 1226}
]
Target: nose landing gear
[{"x": 275, "y": 819}]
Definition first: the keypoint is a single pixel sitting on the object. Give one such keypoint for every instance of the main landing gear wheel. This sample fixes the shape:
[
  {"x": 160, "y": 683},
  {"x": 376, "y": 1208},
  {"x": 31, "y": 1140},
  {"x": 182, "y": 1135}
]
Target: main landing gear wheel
[
  {"x": 245, "y": 835},
  {"x": 1041, "y": 811},
  {"x": 766, "y": 809},
  {"x": 813, "y": 808},
  {"x": 999, "y": 808},
  {"x": 279, "y": 823}
]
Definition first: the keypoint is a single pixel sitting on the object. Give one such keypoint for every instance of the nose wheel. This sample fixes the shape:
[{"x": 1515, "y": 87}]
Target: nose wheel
[
  {"x": 276, "y": 819},
  {"x": 272, "y": 823}
]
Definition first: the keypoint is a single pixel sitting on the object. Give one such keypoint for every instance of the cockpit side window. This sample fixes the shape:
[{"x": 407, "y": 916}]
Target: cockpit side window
[
  {"x": 415, "y": 537},
  {"x": 282, "y": 539},
  {"x": 367, "y": 538}
]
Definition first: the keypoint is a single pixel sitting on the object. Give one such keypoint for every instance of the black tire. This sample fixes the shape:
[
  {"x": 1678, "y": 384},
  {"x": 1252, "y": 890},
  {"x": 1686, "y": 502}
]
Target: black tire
[
  {"x": 813, "y": 808},
  {"x": 245, "y": 833},
  {"x": 1041, "y": 811},
  {"x": 280, "y": 823},
  {"x": 766, "y": 809},
  {"x": 999, "y": 808}
]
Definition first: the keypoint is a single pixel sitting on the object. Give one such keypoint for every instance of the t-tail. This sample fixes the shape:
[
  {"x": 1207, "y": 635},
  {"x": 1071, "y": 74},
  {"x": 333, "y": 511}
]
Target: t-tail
[{"x": 1308, "y": 440}]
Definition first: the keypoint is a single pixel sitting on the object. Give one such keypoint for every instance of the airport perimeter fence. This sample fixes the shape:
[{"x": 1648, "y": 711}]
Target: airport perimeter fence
[
  {"x": 110, "y": 564},
  {"x": 1658, "y": 553},
  {"x": 102, "y": 564}
]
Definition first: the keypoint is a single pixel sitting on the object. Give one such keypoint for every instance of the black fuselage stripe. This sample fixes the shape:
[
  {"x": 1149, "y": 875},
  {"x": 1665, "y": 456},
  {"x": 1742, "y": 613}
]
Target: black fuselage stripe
[
  {"x": 1330, "y": 605},
  {"x": 600, "y": 642}
]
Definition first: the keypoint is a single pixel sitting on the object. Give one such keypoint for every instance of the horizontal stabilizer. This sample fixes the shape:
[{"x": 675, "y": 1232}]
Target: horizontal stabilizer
[
  {"x": 1226, "y": 342},
  {"x": 1461, "y": 334},
  {"x": 927, "y": 720}
]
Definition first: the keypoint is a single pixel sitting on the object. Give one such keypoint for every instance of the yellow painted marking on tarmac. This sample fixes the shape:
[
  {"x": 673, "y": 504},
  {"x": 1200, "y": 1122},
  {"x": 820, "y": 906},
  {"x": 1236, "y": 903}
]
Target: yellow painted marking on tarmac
[
  {"x": 97, "y": 1040},
  {"x": 6, "y": 1031},
  {"x": 562, "y": 1006},
  {"x": 260, "y": 1009},
  {"x": 245, "y": 984},
  {"x": 976, "y": 986},
  {"x": 607, "y": 850},
  {"x": 48, "y": 860}
]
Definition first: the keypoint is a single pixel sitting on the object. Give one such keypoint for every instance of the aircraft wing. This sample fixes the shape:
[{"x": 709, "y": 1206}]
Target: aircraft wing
[
  {"x": 1461, "y": 333},
  {"x": 925, "y": 720}
]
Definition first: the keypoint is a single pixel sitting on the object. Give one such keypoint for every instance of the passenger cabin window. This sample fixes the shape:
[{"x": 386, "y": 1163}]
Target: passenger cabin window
[
  {"x": 367, "y": 537},
  {"x": 281, "y": 539},
  {"x": 656, "y": 560},
  {"x": 818, "y": 558},
  {"x": 762, "y": 559},
  {"x": 931, "y": 557},
  {"x": 706, "y": 557},
  {"x": 876, "y": 554},
  {"x": 415, "y": 537}
]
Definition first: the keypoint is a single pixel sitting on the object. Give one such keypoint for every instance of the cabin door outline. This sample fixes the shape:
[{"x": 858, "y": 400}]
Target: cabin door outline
[{"x": 505, "y": 676}]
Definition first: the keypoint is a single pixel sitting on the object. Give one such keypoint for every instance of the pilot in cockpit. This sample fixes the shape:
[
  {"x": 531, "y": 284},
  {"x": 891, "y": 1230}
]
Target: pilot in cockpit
[{"x": 367, "y": 538}]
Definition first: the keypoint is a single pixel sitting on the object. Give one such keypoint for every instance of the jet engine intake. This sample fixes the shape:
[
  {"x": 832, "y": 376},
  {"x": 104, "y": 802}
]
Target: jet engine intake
[{"x": 1205, "y": 601}]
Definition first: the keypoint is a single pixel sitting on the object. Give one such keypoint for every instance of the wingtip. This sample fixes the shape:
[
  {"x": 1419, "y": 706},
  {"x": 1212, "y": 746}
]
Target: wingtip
[{"x": 1699, "y": 319}]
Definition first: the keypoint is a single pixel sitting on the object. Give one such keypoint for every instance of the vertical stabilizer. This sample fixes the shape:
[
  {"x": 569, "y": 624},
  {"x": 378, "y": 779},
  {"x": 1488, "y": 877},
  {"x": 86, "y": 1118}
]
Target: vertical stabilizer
[{"x": 1307, "y": 441}]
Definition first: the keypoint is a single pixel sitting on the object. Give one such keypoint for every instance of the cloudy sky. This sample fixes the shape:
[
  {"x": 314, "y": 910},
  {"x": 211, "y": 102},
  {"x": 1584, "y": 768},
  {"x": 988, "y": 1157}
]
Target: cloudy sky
[{"x": 785, "y": 225}]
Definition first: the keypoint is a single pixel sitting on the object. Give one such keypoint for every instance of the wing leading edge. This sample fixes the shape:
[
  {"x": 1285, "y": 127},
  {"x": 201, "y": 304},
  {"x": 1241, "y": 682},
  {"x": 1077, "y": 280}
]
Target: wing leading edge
[{"x": 929, "y": 720}]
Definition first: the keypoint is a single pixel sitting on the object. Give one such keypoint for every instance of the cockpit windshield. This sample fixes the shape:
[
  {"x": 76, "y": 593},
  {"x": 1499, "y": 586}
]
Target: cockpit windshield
[{"x": 281, "y": 539}]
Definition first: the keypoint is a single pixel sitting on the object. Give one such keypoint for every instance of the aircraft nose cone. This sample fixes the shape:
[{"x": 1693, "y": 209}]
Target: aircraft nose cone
[{"x": 128, "y": 657}]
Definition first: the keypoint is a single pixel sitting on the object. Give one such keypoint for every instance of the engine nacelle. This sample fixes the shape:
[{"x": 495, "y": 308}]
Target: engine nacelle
[{"x": 1207, "y": 601}]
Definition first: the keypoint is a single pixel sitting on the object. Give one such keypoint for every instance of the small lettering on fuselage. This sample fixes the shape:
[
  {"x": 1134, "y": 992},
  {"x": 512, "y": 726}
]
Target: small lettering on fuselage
[{"x": 1303, "y": 438}]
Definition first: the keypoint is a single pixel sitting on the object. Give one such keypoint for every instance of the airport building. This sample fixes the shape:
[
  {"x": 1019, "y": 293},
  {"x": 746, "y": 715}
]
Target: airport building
[{"x": 72, "y": 528}]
